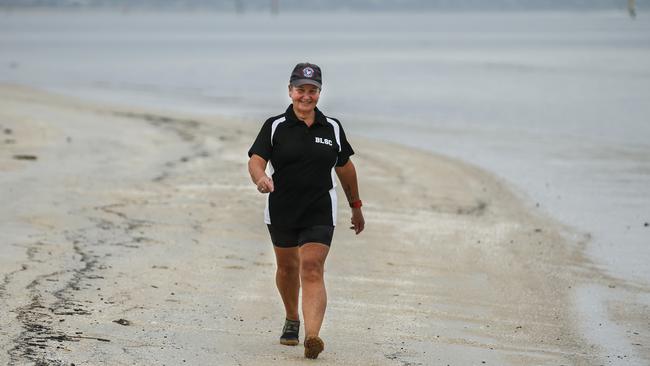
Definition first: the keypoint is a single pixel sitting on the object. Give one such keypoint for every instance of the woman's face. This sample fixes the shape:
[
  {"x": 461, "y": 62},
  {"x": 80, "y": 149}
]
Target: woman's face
[{"x": 304, "y": 97}]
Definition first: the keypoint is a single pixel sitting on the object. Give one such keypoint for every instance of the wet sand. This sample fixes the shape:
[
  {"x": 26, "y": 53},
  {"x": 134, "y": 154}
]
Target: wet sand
[{"x": 135, "y": 237}]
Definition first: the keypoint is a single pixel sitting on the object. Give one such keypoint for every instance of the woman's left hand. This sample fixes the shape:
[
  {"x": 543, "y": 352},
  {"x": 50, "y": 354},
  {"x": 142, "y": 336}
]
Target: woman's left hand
[{"x": 358, "y": 223}]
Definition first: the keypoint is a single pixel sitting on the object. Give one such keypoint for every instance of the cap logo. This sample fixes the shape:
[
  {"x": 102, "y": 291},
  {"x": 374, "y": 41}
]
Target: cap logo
[{"x": 308, "y": 72}]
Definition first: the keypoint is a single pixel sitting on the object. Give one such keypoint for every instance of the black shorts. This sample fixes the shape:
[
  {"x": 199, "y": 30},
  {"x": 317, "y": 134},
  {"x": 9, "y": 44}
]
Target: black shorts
[{"x": 290, "y": 237}]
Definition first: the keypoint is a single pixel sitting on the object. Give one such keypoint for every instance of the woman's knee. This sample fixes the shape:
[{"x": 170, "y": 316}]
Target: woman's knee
[
  {"x": 287, "y": 261},
  {"x": 288, "y": 269},
  {"x": 311, "y": 271}
]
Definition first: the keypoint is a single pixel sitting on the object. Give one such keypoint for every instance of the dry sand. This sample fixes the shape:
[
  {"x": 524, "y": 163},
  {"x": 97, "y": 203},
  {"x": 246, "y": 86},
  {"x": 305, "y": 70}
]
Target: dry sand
[{"x": 149, "y": 219}]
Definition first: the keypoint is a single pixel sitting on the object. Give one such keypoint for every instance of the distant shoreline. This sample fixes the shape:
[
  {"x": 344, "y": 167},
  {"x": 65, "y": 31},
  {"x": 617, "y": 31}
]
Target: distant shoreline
[{"x": 230, "y": 11}]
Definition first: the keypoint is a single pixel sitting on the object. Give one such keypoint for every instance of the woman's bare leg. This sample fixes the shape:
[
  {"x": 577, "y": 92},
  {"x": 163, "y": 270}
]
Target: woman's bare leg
[
  {"x": 287, "y": 279},
  {"x": 314, "y": 296}
]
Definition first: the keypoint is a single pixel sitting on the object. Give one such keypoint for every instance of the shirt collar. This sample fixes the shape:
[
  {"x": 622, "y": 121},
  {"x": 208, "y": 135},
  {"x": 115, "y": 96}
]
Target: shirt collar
[{"x": 319, "y": 118}]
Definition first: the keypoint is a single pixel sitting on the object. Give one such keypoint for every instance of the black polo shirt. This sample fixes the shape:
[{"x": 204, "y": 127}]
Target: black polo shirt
[{"x": 301, "y": 161}]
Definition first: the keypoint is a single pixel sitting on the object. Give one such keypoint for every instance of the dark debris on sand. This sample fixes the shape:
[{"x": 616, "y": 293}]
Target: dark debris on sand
[
  {"x": 122, "y": 322},
  {"x": 25, "y": 157}
]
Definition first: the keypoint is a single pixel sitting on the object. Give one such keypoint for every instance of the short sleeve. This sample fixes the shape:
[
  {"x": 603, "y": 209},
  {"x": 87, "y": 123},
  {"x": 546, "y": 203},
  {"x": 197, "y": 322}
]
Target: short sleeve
[
  {"x": 346, "y": 149},
  {"x": 262, "y": 145}
]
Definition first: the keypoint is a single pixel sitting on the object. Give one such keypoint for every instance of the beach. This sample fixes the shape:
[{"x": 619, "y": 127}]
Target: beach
[
  {"x": 503, "y": 160},
  {"x": 132, "y": 236}
]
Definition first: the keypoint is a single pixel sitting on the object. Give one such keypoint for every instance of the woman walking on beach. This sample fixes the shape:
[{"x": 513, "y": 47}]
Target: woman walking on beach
[{"x": 303, "y": 148}]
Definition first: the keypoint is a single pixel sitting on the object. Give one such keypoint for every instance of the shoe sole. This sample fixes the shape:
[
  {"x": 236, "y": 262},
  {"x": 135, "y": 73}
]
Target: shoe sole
[
  {"x": 313, "y": 347},
  {"x": 289, "y": 342}
]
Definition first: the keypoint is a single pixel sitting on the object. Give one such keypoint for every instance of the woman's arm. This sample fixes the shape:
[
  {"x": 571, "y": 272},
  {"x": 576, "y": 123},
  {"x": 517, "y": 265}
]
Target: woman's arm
[
  {"x": 348, "y": 176},
  {"x": 257, "y": 170}
]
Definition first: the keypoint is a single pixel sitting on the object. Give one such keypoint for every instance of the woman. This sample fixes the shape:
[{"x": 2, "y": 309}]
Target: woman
[{"x": 303, "y": 147}]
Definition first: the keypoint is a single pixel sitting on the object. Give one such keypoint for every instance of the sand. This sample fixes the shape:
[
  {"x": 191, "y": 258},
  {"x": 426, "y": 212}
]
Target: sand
[{"x": 135, "y": 237}]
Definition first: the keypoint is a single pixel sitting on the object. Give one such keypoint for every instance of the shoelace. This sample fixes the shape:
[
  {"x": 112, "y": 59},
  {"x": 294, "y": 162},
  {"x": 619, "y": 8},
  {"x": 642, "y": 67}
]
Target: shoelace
[{"x": 291, "y": 326}]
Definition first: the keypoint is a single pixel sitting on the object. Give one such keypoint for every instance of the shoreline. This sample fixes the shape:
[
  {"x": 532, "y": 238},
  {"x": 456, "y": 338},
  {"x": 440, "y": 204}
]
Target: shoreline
[
  {"x": 211, "y": 11},
  {"x": 434, "y": 219}
]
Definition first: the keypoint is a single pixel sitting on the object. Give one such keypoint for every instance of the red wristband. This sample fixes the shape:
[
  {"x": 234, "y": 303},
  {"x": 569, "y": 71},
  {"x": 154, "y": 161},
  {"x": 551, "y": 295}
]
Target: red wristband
[{"x": 356, "y": 204}]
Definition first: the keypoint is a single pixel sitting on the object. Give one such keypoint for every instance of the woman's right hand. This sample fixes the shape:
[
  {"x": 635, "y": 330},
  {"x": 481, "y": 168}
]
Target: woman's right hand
[{"x": 265, "y": 184}]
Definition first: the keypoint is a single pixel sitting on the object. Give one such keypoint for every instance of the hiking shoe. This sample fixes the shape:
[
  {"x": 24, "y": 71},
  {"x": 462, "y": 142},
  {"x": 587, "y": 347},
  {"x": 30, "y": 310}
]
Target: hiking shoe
[
  {"x": 313, "y": 346},
  {"x": 290, "y": 333}
]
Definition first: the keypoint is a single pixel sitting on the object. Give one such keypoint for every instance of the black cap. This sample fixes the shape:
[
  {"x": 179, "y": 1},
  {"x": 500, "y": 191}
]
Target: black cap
[{"x": 306, "y": 73}]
